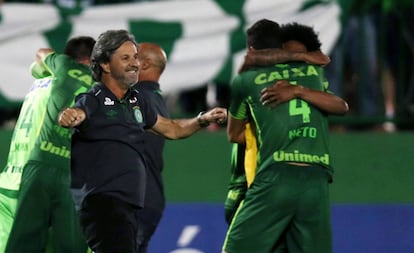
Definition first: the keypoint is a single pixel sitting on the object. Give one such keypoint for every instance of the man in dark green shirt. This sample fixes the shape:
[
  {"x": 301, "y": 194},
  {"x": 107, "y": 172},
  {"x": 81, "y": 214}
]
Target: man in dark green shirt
[{"x": 108, "y": 143}]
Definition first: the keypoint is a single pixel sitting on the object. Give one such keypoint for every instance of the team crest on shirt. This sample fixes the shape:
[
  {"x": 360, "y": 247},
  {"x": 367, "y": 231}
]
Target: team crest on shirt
[{"x": 137, "y": 114}]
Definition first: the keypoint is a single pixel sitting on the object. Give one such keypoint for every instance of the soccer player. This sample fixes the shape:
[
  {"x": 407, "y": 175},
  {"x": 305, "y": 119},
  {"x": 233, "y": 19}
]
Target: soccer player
[
  {"x": 40, "y": 152},
  {"x": 287, "y": 205}
]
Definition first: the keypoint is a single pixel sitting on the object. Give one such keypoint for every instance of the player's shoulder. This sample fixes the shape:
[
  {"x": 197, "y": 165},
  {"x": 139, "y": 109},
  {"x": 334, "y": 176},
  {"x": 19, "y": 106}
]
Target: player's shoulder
[
  {"x": 57, "y": 62},
  {"x": 247, "y": 77},
  {"x": 54, "y": 56}
]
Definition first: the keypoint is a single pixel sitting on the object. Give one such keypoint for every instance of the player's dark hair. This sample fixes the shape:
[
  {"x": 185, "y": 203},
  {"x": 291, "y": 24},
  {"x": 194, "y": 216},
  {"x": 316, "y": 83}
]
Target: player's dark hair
[
  {"x": 301, "y": 33},
  {"x": 79, "y": 47},
  {"x": 107, "y": 43},
  {"x": 264, "y": 33}
]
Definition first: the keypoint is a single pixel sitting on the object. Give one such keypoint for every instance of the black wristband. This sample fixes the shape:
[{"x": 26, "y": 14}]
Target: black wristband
[{"x": 202, "y": 123}]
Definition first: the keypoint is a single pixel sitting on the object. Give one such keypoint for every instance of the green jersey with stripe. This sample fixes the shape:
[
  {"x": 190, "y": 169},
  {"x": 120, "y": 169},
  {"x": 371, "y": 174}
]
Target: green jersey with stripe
[
  {"x": 37, "y": 136},
  {"x": 294, "y": 131}
]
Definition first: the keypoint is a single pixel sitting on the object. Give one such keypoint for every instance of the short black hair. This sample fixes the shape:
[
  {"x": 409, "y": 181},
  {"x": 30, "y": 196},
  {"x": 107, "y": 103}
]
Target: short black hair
[
  {"x": 107, "y": 43},
  {"x": 79, "y": 47},
  {"x": 301, "y": 33},
  {"x": 263, "y": 34}
]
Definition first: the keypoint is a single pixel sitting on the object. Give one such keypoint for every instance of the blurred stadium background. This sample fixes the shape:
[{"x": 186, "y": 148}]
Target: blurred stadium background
[{"x": 371, "y": 44}]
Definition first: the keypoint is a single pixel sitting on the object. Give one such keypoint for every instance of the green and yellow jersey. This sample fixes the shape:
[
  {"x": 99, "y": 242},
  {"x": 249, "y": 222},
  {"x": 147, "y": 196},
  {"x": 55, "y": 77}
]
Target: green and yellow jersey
[
  {"x": 37, "y": 136},
  {"x": 295, "y": 131}
]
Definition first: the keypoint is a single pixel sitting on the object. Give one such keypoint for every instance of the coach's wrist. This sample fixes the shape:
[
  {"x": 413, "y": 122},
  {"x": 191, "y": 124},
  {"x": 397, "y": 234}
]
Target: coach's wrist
[{"x": 201, "y": 122}]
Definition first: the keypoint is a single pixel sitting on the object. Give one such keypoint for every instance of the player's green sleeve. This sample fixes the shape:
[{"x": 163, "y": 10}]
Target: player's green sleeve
[{"x": 38, "y": 71}]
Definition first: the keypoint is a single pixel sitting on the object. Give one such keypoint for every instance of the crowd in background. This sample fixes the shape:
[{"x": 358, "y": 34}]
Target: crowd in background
[{"x": 371, "y": 65}]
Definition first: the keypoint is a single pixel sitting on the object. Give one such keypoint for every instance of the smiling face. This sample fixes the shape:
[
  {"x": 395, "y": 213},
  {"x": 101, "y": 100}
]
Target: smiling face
[{"x": 124, "y": 65}]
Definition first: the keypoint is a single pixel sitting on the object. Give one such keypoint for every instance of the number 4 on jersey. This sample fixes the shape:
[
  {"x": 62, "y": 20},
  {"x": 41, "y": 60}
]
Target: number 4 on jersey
[{"x": 300, "y": 107}]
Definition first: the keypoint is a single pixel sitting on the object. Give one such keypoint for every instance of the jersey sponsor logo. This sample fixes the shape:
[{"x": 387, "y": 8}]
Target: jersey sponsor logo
[
  {"x": 51, "y": 148},
  {"x": 108, "y": 101},
  {"x": 268, "y": 77},
  {"x": 138, "y": 114},
  {"x": 63, "y": 132},
  {"x": 296, "y": 156},
  {"x": 84, "y": 78}
]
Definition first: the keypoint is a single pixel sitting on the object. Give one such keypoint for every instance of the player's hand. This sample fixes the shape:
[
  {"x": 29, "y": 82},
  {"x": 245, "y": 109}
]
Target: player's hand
[{"x": 280, "y": 92}]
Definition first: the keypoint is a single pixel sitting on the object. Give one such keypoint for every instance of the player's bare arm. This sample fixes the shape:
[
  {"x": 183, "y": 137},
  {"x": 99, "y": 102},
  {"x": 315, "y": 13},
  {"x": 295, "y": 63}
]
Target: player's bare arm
[
  {"x": 266, "y": 57},
  {"x": 282, "y": 91},
  {"x": 236, "y": 130}
]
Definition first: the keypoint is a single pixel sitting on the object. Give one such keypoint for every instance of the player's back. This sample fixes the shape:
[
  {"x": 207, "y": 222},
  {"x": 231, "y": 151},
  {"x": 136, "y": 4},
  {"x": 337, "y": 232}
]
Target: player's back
[{"x": 294, "y": 131}]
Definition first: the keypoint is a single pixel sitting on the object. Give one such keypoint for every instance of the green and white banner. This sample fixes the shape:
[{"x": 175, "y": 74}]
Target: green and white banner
[{"x": 204, "y": 39}]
